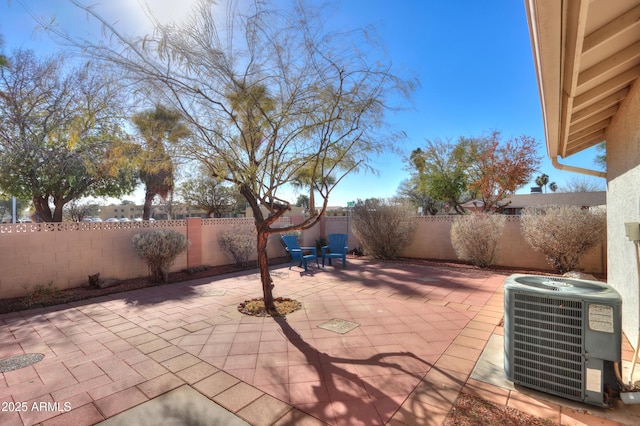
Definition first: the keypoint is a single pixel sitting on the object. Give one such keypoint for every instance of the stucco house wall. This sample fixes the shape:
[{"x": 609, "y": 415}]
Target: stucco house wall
[{"x": 623, "y": 205}]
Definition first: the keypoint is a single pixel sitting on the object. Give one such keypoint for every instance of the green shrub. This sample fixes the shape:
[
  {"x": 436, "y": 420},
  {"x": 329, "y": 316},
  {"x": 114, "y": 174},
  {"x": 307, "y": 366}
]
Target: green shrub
[
  {"x": 475, "y": 237},
  {"x": 563, "y": 233},
  {"x": 383, "y": 227},
  {"x": 320, "y": 242},
  {"x": 239, "y": 242},
  {"x": 159, "y": 249}
]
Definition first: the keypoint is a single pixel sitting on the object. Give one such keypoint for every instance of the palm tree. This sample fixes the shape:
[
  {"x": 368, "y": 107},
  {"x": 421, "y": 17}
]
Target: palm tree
[
  {"x": 542, "y": 181},
  {"x": 553, "y": 186},
  {"x": 305, "y": 179},
  {"x": 156, "y": 127}
]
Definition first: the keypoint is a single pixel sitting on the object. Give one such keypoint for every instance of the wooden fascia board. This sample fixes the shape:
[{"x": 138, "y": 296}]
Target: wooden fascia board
[
  {"x": 574, "y": 19},
  {"x": 545, "y": 31}
]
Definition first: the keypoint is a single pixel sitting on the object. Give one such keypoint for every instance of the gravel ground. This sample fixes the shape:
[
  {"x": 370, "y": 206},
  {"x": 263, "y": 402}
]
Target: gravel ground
[{"x": 472, "y": 411}]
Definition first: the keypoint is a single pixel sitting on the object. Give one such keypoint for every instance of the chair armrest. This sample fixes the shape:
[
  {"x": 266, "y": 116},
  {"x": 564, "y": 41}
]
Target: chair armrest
[{"x": 313, "y": 249}]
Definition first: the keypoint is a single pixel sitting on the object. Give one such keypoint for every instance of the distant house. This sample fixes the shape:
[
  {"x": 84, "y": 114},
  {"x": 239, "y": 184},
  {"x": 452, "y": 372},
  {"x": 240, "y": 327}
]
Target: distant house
[
  {"x": 473, "y": 206},
  {"x": 295, "y": 211},
  {"x": 134, "y": 211},
  {"x": 516, "y": 203}
]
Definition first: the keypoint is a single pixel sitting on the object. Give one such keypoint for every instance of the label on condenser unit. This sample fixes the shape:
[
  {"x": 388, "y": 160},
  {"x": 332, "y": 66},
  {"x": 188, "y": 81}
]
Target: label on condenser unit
[
  {"x": 594, "y": 380},
  {"x": 601, "y": 318}
]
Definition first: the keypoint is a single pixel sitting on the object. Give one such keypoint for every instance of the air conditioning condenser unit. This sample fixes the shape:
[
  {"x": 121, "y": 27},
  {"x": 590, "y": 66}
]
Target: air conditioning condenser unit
[{"x": 563, "y": 336}]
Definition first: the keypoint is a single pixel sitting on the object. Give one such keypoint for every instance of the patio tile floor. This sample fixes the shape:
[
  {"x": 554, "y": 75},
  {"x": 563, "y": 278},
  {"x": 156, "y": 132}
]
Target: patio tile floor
[{"x": 420, "y": 331}]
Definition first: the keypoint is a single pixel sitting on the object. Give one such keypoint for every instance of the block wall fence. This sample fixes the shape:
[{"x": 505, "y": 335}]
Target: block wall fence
[{"x": 66, "y": 253}]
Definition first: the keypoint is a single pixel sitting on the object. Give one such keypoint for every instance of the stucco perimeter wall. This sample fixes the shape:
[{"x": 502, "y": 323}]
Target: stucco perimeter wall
[
  {"x": 211, "y": 229},
  {"x": 433, "y": 241},
  {"x": 341, "y": 225},
  {"x": 66, "y": 253},
  {"x": 623, "y": 205}
]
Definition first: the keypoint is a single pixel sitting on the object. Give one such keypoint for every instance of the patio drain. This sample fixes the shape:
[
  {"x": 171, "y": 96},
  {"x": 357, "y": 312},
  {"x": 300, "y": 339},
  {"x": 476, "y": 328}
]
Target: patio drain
[
  {"x": 339, "y": 325},
  {"x": 428, "y": 279},
  {"x": 210, "y": 293},
  {"x": 17, "y": 362}
]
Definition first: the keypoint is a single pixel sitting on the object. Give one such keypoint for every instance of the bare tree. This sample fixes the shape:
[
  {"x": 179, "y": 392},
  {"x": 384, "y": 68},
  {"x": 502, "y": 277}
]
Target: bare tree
[
  {"x": 410, "y": 190},
  {"x": 269, "y": 94},
  {"x": 207, "y": 193},
  {"x": 583, "y": 184},
  {"x": 77, "y": 211}
]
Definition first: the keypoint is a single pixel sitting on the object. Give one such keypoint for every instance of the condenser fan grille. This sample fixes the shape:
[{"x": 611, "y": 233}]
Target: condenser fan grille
[{"x": 547, "y": 343}]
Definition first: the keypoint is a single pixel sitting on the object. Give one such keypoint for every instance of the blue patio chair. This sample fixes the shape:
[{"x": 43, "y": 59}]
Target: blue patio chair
[
  {"x": 297, "y": 252},
  {"x": 335, "y": 248}
]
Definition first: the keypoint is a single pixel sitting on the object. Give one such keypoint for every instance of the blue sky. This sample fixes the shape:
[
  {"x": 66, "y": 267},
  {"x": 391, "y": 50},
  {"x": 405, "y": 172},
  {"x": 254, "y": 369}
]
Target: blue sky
[{"x": 473, "y": 59}]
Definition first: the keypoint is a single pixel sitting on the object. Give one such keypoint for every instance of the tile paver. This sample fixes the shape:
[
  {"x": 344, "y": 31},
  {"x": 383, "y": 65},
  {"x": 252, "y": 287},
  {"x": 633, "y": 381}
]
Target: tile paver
[
  {"x": 120, "y": 401},
  {"x": 420, "y": 332},
  {"x": 85, "y": 415}
]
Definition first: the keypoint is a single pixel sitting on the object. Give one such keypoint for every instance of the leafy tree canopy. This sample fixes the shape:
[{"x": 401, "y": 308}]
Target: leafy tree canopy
[
  {"x": 485, "y": 168},
  {"x": 60, "y": 134}
]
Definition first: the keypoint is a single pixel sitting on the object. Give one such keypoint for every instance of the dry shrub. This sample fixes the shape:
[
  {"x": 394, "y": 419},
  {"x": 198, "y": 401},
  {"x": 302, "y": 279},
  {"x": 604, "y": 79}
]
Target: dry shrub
[
  {"x": 475, "y": 237},
  {"x": 239, "y": 242},
  {"x": 563, "y": 233},
  {"x": 384, "y": 227},
  {"x": 159, "y": 249}
]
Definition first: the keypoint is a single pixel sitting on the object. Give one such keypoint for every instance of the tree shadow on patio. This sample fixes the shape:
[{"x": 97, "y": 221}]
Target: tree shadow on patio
[
  {"x": 410, "y": 279},
  {"x": 163, "y": 293},
  {"x": 341, "y": 396}
]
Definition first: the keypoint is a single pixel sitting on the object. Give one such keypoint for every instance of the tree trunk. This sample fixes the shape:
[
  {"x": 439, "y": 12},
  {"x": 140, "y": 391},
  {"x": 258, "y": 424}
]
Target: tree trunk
[
  {"x": 265, "y": 276},
  {"x": 43, "y": 210},
  {"x": 58, "y": 208},
  {"x": 57, "y": 213},
  {"x": 148, "y": 200}
]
